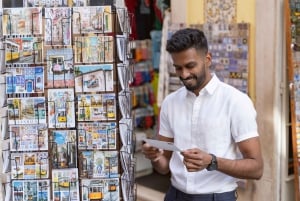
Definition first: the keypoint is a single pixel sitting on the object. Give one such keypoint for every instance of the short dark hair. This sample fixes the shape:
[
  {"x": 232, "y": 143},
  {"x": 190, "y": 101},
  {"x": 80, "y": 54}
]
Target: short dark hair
[{"x": 184, "y": 39}]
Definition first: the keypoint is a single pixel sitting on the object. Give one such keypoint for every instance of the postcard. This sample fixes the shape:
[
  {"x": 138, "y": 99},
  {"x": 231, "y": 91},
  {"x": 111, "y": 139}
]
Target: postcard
[
  {"x": 92, "y": 19},
  {"x": 28, "y": 137},
  {"x": 60, "y": 71},
  {"x": 25, "y": 80},
  {"x": 61, "y": 108},
  {"x": 64, "y": 146},
  {"x": 105, "y": 164},
  {"x": 96, "y": 107},
  {"x": 86, "y": 163},
  {"x": 96, "y": 135},
  {"x": 76, "y": 3},
  {"x": 58, "y": 26},
  {"x": 27, "y": 110},
  {"x": 94, "y": 49},
  {"x": 99, "y": 164},
  {"x": 105, "y": 189},
  {"x": 65, "y": 184},
  {"x": 22, "y": 21},
  {"x": 94, "y": 78},
  {"x": 29, "y": 165},
  {"x": 23, "y": 50},
  {"x": 30, "y": 190},
  {"x": 45, "y": 3},
  {"x": 162, "y": 145}
]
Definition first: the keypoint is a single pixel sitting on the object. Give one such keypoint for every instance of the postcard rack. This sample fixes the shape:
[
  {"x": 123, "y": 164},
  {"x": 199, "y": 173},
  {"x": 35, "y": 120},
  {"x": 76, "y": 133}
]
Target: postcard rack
[{"x": 66, "y": 120}]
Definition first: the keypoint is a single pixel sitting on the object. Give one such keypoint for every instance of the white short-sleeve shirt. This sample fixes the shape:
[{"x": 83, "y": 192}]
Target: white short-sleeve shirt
[{"x": 214, "y": 122}]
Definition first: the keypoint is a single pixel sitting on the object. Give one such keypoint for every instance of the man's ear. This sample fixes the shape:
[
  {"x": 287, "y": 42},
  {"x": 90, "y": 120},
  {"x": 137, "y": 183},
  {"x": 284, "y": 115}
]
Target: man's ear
[{"x": 208, "y": 59}]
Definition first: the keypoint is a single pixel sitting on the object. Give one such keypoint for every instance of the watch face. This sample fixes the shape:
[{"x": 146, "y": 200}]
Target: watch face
[{"x": 212, "y": 166}]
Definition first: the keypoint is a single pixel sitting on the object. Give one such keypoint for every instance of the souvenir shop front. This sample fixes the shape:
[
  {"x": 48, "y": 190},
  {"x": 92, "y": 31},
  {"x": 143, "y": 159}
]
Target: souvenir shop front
[{"x": 82, "y": 80}]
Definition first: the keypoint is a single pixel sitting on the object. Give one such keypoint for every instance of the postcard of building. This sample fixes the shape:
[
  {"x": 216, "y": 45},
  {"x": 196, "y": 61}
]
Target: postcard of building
[
  {"x": 94, "y": 78},
  {"x": 63, "y": 146},
  {"x": 61, "y": 108},
  {"x": 94, "y": 49},
  {"x": 60, "y": 71},
  {"x": 28, "y": 137},
  {"x": 23, "y": 50},
  {"x": 76, "y": 3},
  {"x": 25, "y": 80},
  {"x": 58, "y": 26},
  {"x": 45, "y": 3},
  {"x": 22, "y": 21},
  {"x": 86, "y": 164},
  {"x": 96, "y": 135},
  {"x": 96, "y": 107},
  {"x": 27, "y": 110},
  {"x": 106, "y": 189},
  {"x": 65, "y": 184},
  {"x": 92, "y": 19},
  {"x": 106, "y": 164},
  {"x": 30, "y": 190},
  {"x": 29, "y": 165}
]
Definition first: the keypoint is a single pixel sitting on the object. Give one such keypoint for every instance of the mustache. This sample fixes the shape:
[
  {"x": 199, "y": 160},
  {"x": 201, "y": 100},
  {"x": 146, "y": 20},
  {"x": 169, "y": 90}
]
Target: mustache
[{"x": 187, "y": 78}]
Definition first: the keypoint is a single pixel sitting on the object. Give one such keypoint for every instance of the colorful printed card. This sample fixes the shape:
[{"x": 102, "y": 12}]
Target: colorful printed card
[
  {"x": 58, "y": 26},
  {"x": 45, "y": 3},
  {"x": 65, "y": 184},
  {"x": 94, "y": 49},
  {"x": 96, "y": 107},
  {"x": 60, "y": 68},
  {"x": 61, "y": 108},
  {"x": 106, "y": 164},
  {"x": 28, "y": 137},
  {"x": 29, "y": 165},
  {"x": 105, "y": 189},
  {"x": 92, "y": 19},
  {"x": 64, "y": 145},
  {"x": 35, "y": 190},
  {"x": 22, "y": 21},
  {"x": 26, "y": 110},
  {"x": 99, "y": 164},
  {"x": 24, "y": 50},
  {"x": 94, "y": 78},
  {"x": 25, "y": 80},
  {"x": 96, "y": 135}
]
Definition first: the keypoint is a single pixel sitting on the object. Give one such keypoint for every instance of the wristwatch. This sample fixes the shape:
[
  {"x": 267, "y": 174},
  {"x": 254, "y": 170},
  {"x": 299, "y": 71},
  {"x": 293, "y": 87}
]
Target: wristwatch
[{"x": 213, "y": 164}]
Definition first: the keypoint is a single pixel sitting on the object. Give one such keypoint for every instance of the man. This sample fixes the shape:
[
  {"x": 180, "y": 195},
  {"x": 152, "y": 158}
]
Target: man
[{"x": 214, "y": 123}]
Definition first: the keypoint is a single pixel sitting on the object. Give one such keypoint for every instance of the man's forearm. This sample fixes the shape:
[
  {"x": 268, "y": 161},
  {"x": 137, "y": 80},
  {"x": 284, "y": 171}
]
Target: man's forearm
[{"x": 242, "y": 169}]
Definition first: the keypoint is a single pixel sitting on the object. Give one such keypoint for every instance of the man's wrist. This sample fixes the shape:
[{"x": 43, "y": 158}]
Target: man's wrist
[{"x": 213, "y": 164}]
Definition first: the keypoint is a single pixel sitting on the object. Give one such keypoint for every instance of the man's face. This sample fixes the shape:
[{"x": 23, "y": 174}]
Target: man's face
[{"x": 192, "y": 68}]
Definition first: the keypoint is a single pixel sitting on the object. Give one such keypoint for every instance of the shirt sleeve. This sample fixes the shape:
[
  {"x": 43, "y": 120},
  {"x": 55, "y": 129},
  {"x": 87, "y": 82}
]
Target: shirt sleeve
[
  {"x": 243, "y": 119},
  {"x": 164, "y": 123}
]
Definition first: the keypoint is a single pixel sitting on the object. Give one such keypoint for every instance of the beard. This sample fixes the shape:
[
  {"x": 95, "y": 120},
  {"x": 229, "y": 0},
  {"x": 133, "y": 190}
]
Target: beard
[{"x": 195, "y": 82}]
